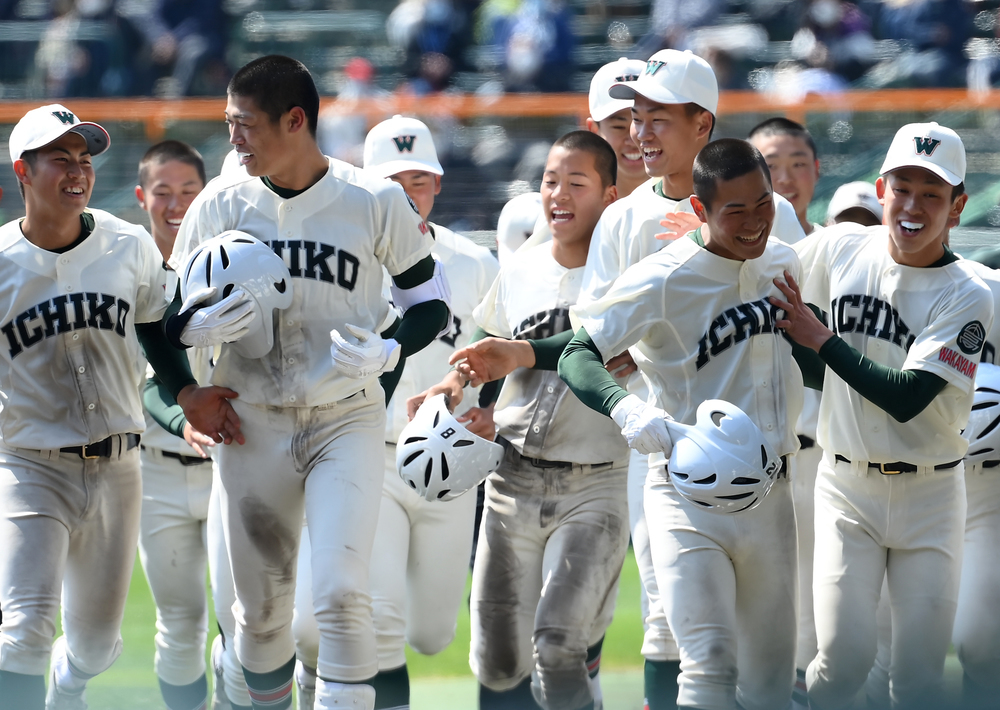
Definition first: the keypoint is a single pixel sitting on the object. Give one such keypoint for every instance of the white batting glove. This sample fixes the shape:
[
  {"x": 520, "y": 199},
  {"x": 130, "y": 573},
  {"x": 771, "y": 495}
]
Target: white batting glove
[
  {"x": 362, "y": 353},
  {"x": 643, "y": 426},
  {"x": 225, "y": 322}
]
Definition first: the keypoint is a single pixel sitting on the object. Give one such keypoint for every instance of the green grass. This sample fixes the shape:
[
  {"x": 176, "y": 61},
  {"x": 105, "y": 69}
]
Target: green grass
[{"x": 440, "y": 681}]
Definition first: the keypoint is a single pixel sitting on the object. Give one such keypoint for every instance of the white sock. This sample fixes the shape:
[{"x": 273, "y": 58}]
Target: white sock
[
  {"x": 65, "y": 677},
  {"x": 305, "y": 676},
  {"x": 355, "y": 696}
]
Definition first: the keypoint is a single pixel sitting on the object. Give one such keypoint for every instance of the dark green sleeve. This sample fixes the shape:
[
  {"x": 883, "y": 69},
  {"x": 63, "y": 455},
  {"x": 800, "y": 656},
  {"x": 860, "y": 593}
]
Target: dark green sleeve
[
  {"x": 582, "y": 368},
  {"x": 810, "y": 363},
  {"x": 421, "y": 323},
  {"x": 162, "y": 407},
  {"x": 548, "y": 350},
  {"x": 169, "y": 363},
  {"x": 390, "y": 379},
  {"x": 903, "y": 394}
]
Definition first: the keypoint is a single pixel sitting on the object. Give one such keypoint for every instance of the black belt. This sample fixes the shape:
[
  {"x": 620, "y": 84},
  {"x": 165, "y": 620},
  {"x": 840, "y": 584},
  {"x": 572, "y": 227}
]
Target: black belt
[
  {"x": 185, "y": 460},
  {"x": 105, "y": 447},
  {"x": 806, "y": 442},
  {"x": 899, "y": 466},
  {"x": 546, "y": 463}
]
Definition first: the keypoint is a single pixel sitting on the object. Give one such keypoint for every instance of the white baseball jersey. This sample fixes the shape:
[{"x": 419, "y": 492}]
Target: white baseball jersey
[
  {"x": 626, "y": 233},
  {"x": 470, "y": 270},
  {"x": 990, "y": 277},
  {"x": 705, "y": 329},
  {"x": 518, "y": 220},
  {"x": 335, "y": 238},
  {"x": 536, "y": 411},
  {"x": 930, "y": 319},
  {"x": 68, "y": 333}
]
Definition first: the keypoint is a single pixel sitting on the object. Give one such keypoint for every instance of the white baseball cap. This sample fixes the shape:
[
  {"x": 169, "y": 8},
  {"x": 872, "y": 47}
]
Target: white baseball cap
[
  {"x": 40, "y": 126},
  {"x": 672, "y": 77},
  {"x": 928, "y": 146},
  {"x": 854, "y": 194},
  {"x": 621, "y": 71},
  {"x": 400, "y": 143}
]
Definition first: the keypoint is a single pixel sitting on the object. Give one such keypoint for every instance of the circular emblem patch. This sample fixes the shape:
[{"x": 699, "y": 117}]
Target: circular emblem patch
[{"x": 971, "y": 337}]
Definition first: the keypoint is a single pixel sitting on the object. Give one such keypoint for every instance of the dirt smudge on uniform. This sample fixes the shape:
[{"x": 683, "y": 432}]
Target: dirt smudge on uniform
[{"x": 275, "y": 542}]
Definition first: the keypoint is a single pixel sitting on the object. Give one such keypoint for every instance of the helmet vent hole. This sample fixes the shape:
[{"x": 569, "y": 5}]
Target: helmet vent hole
[
  {"x": 763, "y": 457},
  {"x": 412, "y": 485},
  {"x": 409, "y": 459},
  {"x": 717, "y": 417},
  {"x": 428, "y": 469},
  {"x": 413, "y": 439},
  {"x": 979, "y": 452},
  {"x": 444, "y": 468},
  {"x": 991, "y": 427},
  {"x": 437, "y": 418},
  {"x": 228, "y": 290},
  {"x": 280, "y": 286},
  {"x": 737, "y": 496},
  {"x": 744, "y": 481},
  {"x": 241, "y": 240},
  {"x": 988, "y": 389},
  {"x": 208, "y": 271},
  {"x": 706, "y": 481},
  {"x": 678, "y": 474},
  {"x": 983, "y": 405},
  {"x": 225, "y": 257},
  {"x": 463, "y": 442},
  {"x": 442, "y": 494}
]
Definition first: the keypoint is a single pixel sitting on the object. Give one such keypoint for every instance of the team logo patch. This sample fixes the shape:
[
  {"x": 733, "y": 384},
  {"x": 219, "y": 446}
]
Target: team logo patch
[
  {"x": 925, "y": 145},
  {"x": 65, "y": 117},
  {"x": 404, "y": 144},
  {"x": 653, "y": 67},
  {"x": 971, "y": 338}
]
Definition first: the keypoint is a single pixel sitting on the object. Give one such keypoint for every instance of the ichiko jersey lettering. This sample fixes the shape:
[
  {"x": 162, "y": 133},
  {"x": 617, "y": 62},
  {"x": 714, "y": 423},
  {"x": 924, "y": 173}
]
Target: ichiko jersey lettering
[{"x": 89, "y": 310}]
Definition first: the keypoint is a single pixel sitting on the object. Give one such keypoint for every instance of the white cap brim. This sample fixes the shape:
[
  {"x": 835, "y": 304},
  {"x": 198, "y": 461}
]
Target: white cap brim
[
  {"x": 946, "y": 175},
  {"x": 653, "y": 92},
  {"x": 97, "y": 139},
  {"x": 394, "y": 167}
]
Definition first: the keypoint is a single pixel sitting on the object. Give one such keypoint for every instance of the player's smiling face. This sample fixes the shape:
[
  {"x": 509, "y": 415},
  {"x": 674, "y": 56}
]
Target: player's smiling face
[
  {"x": 616, "y": 129},
  {"x": 259, "y": 142},
  {"x": 668, "y": 136},
  {"x": 170, "y": 188},
  {"x": 739, "y": 217},
  {"x": 919, "y": 211},
  {"x": 573, "y": 196},
  {"x": 794, "y": 168},
  {"x": 62, "y": 177},
  {"x": 421, "y": 186}
]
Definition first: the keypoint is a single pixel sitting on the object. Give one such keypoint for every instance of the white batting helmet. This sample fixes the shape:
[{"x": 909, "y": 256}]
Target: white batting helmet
[
  {"x": 439, "y": 458},
  {"x": 236, "y": 259},
  {"x": 983, "y": 430},
  {"x": 723, "y": 463}
]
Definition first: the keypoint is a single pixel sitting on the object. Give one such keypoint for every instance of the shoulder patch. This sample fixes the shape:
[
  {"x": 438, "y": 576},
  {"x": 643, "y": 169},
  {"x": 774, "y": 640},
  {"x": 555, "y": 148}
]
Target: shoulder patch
[{"x": 971, "y": 338}]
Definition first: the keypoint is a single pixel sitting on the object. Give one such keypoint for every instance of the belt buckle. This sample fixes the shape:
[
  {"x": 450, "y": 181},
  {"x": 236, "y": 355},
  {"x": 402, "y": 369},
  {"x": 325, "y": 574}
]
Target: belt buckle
[
  {"x": 884, "y": 472},
  {"x": 83, "y": 453}
]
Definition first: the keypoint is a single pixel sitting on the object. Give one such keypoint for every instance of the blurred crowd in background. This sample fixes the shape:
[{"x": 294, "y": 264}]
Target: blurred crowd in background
[{"x": 170, "y": 48}]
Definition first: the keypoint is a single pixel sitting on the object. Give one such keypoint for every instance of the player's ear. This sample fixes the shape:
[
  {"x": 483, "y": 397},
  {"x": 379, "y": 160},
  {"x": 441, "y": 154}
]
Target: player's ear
[
  {"x": 699, "y": 208},
  {"x": 610, "y": 194},
  {"x": 141, "y": 196},
  {"x": 437, "y": 184},
  {"x": 295, "y": 119},
  {"x": 592, "y": 125},
  {"x": 21, "y": 168},
  {"x": 956, "y": 208},
  {"x": 880, "y": 189}
]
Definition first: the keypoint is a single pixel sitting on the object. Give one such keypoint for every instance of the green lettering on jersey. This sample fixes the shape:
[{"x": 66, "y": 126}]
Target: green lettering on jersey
[
  {"x": 926, "y": 145},
  {"x": 404, "y": 144},
  {"x": 65, "y": 117}
]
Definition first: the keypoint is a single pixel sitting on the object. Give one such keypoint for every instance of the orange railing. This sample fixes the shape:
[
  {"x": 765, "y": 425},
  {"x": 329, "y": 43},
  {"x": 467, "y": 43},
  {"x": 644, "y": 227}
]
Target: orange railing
[{"x": 157, "y": 114}]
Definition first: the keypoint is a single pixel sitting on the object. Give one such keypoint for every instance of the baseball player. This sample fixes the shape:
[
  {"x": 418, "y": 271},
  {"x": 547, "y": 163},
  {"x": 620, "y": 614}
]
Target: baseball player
[
  {"x": 697, "y": 320},
  {"x": 316, "y": 427},
  {"x": 854, "y": 202},
  {"x": 79, "y": 285},
  {"x": 791, "y": 157},
  {"x": 421, "y": 552},
  {"x": 176, "y": 472},
  {"x": 910, "y": 320}
]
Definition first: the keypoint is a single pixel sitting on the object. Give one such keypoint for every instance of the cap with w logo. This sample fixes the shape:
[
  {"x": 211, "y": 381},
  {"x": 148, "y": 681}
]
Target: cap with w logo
[
  {"x": 929, "y": 146},
  {"x": 399, "y": 144},
  {"x": 41, "y": 126},
  {"x": 621, "y": 71},
  {"x": 673, "y": 77}
]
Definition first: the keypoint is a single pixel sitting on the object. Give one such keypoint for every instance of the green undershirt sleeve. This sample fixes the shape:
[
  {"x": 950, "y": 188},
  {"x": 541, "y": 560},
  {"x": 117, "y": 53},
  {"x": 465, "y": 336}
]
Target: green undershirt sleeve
[
  {"x": 422, "y": 322},
  {"x": 162, "y": 407},
  {"x": 548, "y": 350},
  {"x": 903, "y": 394},
  {"x": 170, "y": 364},
  {"x": 390, "y": 379},
  {"x": 582, "y": 368}
]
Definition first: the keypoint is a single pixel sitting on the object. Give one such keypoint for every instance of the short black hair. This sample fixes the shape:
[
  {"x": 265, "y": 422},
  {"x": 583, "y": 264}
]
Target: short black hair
[
  {"x": 724, "y": 159},
  {"x": 605, "y": 161},
  {"x": 166, "y": 151},
  {"x": 780, "y": 126},
  {"x": 278, "y": 84},
  {"x": 31, "y": 158},
  {"x": 957, "y": 190}
]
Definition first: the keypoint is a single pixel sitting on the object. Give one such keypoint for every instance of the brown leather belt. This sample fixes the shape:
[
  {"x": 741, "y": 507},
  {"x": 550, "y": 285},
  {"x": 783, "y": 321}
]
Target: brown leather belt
[{"x": 895, "y": 467}]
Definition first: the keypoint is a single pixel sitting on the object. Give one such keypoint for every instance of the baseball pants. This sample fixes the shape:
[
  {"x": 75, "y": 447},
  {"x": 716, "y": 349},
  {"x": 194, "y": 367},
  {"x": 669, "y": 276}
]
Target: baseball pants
[
  {"x": 658, "y": 643},
  {"x": 552, "y": 542},
  {"x": 325, "y": 462},
  {"x": 728, "y": 588},
  {"x": 908, "y": 527},
  {"x": 220, "y": 574},
  {"x": 172, "y": 544},
  {"x": 68, "y": 531},
  {"x": 803, "y": 480}
]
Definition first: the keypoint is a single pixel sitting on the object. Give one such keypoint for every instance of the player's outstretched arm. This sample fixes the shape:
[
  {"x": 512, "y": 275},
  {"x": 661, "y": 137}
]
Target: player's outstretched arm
[
  {"x": 491, "y": 358},
  {"x": 800, "y": 322}
]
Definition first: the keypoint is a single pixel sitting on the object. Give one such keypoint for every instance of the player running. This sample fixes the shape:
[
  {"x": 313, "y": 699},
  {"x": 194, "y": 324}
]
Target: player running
[
  {"x": 696, "y": 317},
  {"x": 316, "y": 427},
  {"x": 909, "y": 322},
  {"x": 78, "y": 285}
]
